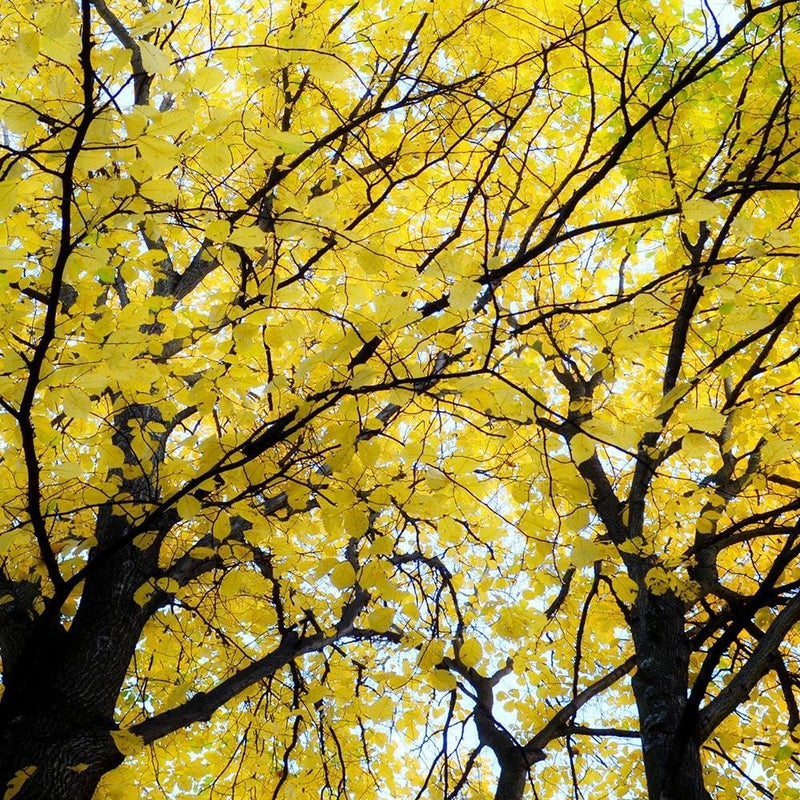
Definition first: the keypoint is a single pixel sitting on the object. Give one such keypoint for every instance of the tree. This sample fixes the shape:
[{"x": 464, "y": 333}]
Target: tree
[{"x": 399, "y": 398}]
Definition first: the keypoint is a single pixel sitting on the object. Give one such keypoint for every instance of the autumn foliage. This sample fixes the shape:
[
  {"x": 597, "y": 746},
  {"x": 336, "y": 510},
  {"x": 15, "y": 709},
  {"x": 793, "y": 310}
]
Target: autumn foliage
[{"x": 399, "y": 399}]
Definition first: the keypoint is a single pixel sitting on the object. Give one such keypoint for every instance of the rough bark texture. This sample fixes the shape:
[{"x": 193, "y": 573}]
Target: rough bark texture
[
  {"x": 660, "y": 685},
  {"x": 70, "y": 758},
  {"x": 57, "y": 709}
]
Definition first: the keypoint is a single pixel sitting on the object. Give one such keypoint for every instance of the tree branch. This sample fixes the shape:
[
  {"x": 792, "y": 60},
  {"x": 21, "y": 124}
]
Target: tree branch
[{"x": 751, "y": 672}]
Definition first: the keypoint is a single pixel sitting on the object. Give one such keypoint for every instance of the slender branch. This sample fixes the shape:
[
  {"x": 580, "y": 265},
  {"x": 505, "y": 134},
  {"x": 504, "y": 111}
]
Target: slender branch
[
  {"x": 39, "y": 357},
  {"x": 750, "y": 673},
  {"x": 141, "y": 78},
  {"x": 558, "y": 725}
]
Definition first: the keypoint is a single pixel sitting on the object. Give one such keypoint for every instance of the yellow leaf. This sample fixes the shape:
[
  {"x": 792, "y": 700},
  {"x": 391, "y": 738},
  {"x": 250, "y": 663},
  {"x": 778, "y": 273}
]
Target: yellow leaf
[
  {"x": 178, "y": 694},
  {"x": 694, "y": 445},
  {"x": 154, "y": 60},
  {"x": 742, "y": 226},
  {"x": 704, "y": 418},
  {"x": 442, "y": 680},
  {"x": 370, "y": 451},
  {"x": 290, "y": 143},
  {"x": 780, "y": 239},
  {"x": 380, "y": 709},
  {"x": 215, "y": 156},
  {"x": 157, "y": 153},
  {"x": 435, "y": 479},
  {"x": 17, "y": 781},
  {"x": 21, "y": 56},
  {"x": 19, "y": 119},
  {"x": 584, "y": 552},
  {"x": 657, "y": 580},
  {"x": 8, "y": 196},
  {"x": 699, "y": 210},
  {"x": 625, "y": 587},
  {"x": 168, "y": 585},
  {"x": 582, "y": 448},
  {"x": 355, "y": 522},
  {"x": 189, "y": 506},
  {"x": 145, "y": 540},
  {"x": 160, "y": 190},
  {"x": 631, "y": 545},
  {"x": 777, "y": 449},
  {"x": 463, "y": 294},
  {"x": 382, "y": 546},
  {"x": 143, "y": 594},
  {"x": 764, "y": 617},
  {"x": 704, "y": 525},
  {"x": 470, "y": 653},
  {"x": 431, "y": 654},
  {"x": 380, "y": 619},
  {"x": 247, "y": 237},
  {"x": 77, "y": 402},
  {"x": 671, "y": 399},
  {"x": 218, "y": 230},
  {"x": 343, "y": 575},
  {"x": 450, "y": 530},
  {"x": 206, "y": 79},
  {"x": 127, "y": 742},
  {"x": 362, "y": 375}
]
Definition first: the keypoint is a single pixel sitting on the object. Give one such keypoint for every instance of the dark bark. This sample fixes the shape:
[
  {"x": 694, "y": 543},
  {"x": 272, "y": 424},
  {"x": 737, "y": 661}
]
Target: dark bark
[
  {"x": 511, "y": 784},
  {"x": 671, "y": 757},
  {"x": 61, "y": 687},
  {"x": 70, "y": 756},
  {"x": 513, "y": 758}
]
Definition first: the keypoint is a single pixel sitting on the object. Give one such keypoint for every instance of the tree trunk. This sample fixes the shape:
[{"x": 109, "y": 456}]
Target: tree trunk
[
  {"x": 660, "y": 685},
  {"x": 61, "y": 684},
  {"x": 511, "y": 784},
  {"x": 70, "y": 756}
]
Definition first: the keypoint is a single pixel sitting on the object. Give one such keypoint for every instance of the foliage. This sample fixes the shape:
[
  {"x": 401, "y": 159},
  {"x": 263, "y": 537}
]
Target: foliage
[{"x": 399, "y": 399}]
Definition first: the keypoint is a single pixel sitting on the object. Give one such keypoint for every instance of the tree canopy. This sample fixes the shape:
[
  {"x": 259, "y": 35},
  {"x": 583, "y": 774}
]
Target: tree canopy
[{"x": 399, "y": 399}]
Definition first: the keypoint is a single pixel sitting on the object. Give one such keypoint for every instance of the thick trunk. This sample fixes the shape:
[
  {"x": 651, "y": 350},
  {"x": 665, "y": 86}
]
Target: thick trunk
[
  {"x": 69, "y": 756},
  {"x": 61, "y": 685},
  {"x": 62, "y": 681},
  {"x": 660, "y": 685},
  {"x": 511, "y": 784},
  {"x": 59, "y": 722}
]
